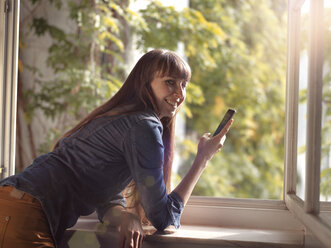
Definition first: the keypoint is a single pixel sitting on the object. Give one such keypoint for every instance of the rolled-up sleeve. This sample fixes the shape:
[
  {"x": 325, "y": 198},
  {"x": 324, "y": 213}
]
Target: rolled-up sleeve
[
  {"x": 144, "y": 152},
  {"x": 114, "y": 200}
]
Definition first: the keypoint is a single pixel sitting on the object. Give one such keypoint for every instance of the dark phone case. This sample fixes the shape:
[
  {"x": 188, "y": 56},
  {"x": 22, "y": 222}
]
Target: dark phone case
[{"x": 228, "y": 115}]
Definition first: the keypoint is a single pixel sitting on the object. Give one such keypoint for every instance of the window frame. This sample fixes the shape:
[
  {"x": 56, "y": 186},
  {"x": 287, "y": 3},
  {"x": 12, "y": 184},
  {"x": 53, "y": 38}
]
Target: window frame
[
  {"x": 308, "y": 210},
  {"x": 291, "y": 213},
  {"x": 9, "y": 27},
  {"x": 294, "y": 213}
]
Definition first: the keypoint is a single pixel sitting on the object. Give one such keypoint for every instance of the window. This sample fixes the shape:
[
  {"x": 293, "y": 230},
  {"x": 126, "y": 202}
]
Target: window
[
  {"x": 302, "y": 100},
  {"x": 309, "y": 211},
  {"x": 9, "y": 13},
  {"x": 325, "y": 192},
  {"x": 312, "y": 214},
  {"x": 325, "y": 186},
  {"x": 247, "y": 71}
]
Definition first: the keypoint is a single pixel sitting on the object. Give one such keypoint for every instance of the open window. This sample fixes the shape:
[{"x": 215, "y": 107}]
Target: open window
[
  {"x": 307, "y": 207},
  {"x": 298, "y": 212},
  {"x": 313, "y": 214},
  {"x": 9, "y": 16}
]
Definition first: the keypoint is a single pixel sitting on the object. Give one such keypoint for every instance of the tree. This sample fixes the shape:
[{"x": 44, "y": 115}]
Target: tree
[
  {"x": 85, "y": 62},
  {"x": 237, "y": 53}
]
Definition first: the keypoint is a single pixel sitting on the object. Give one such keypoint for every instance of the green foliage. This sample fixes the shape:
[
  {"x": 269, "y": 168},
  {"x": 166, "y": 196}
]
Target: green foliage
[
  {"x": 326, "y": 106},
  {"x": 249, "y": 76},
  {"x": 326, "y": 182},
  {"x": 87, "y": 61},
  {"x": 237, "y": 53},
  {"x": 48, "y": 143}
]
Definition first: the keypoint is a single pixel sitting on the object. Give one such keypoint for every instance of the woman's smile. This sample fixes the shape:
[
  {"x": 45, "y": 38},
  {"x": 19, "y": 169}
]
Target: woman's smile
[{"x": 174, "y": 104}]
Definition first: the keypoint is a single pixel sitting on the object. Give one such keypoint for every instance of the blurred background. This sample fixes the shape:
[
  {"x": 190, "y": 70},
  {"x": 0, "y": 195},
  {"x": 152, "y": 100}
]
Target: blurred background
[{"x": 75, "y": 54}]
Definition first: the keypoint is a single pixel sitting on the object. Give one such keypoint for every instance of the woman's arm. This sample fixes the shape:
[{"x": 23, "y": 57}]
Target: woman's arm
[
  {"x": 112, "y": 217},
  {"x": 128, "y": 224},
  {"x": 207, "y": 148},
  {"x": 144, "y": 152}
]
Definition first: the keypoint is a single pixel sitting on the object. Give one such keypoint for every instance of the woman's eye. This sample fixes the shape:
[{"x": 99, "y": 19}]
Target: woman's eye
[{"x": 170, "y": 82}]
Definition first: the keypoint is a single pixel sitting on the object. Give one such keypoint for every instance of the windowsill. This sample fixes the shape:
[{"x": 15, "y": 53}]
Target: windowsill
[
  {"x": 187, "y": 236},
  {"x": 229, "y": 237}
]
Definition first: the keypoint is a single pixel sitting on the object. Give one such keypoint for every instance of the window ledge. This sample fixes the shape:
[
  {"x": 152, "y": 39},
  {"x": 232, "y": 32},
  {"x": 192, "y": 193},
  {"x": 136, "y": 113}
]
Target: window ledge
[
  {"x": 187, "y": 236},
  {"x": 228, "y": 237}
]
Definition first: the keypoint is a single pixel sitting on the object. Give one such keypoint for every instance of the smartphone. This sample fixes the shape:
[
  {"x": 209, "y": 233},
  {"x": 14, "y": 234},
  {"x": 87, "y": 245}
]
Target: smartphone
[{"x": 228, "y": 116}]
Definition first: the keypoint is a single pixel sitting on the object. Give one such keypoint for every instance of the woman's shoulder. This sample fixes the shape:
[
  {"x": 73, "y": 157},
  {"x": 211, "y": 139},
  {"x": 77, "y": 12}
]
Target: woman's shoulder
[
  {"x": 146, "y": 120},
  {"x": 123, "y": 123},
  {"x": 147, "y": 115}
]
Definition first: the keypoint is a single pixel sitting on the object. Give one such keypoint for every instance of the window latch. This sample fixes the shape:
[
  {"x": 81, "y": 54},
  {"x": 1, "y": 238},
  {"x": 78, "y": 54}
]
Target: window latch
[
  {"x": 2, "y": 170},
  {"x": 7, "y": 6}
]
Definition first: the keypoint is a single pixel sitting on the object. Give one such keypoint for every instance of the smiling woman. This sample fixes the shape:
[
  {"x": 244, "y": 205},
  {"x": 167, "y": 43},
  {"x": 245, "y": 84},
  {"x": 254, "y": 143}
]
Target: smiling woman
[
  {"x": 127, "y": 139},
  {"x": 240, "y": 213}
]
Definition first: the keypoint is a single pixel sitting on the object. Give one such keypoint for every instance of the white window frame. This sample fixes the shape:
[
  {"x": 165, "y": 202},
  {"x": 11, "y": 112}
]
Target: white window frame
[
  {"x": 311, "y": 212},
  {"x": 9, "y": 30},
  {"x": 292, "y": 213}
]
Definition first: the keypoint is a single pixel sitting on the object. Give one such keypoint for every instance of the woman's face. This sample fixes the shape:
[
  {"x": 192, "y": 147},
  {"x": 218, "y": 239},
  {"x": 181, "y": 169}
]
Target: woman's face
[{"x": 169, "y": 94}]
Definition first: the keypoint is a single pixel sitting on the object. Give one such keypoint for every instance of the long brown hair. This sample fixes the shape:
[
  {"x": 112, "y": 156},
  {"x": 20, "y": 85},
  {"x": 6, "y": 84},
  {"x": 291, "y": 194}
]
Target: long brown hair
[{"x": 136, "y": 95}]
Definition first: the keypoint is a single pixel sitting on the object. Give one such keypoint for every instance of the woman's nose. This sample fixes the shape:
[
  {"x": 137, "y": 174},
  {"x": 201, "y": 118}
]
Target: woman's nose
[{"x": 180, "y": 92}]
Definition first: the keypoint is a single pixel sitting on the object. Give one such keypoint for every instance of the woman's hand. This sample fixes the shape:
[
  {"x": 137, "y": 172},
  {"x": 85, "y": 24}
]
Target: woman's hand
[
  {"x": 131, "y": 231},
  {"x": 209, "y": 145}
]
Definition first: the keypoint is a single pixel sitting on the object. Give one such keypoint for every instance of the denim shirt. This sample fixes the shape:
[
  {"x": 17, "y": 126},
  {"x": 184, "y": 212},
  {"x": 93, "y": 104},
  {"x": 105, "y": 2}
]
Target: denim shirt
[{"x": 90, "y": 168}]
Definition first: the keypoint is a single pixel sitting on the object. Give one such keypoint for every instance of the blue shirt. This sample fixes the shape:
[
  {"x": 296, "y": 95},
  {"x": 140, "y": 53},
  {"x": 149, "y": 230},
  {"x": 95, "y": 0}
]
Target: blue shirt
[{"x": 90, "y": 168}]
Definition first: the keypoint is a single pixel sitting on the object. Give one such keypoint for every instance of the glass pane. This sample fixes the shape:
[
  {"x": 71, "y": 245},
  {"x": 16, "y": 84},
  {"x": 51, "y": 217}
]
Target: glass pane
[
  {"x": 325, "y": 187},
  {"x": 302, "y": 111},
  {"x": 237, "y": 52},
  {"x": 248, "y": 73}
]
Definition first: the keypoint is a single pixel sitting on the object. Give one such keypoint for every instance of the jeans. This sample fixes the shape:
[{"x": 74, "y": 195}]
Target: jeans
[{"x": 23, "y": 222}]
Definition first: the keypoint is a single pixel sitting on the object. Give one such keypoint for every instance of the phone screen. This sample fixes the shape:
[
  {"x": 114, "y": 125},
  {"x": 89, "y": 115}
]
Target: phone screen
[{"x": 228, "y": 115}]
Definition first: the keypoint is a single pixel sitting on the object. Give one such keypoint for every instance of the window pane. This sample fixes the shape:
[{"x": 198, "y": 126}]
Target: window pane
[
  {"x": 325, "y": 187},
  {"x": 302, "y": 112},
  {"x": 246, "y": 72},
  {"x": 237, "y": 52}
]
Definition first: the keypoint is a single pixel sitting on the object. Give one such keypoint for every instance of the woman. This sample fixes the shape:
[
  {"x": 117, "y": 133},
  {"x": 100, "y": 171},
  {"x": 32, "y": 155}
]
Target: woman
[{"x": 128, "y": 138}]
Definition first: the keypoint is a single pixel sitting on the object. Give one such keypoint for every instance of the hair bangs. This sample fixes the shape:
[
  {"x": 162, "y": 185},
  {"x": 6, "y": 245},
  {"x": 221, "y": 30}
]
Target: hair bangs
[{"x": 170, "y": 64}]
